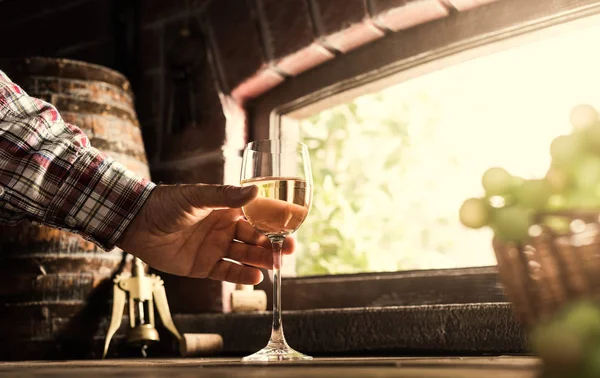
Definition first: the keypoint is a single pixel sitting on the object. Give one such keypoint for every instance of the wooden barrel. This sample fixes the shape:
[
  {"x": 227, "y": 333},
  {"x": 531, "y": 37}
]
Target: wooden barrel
[{"x": 55, "y": 287}]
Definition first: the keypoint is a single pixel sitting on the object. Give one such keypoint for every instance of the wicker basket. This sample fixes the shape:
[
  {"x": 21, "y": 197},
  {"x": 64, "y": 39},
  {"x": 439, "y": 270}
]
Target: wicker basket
[{"x": 552, "y": 268}]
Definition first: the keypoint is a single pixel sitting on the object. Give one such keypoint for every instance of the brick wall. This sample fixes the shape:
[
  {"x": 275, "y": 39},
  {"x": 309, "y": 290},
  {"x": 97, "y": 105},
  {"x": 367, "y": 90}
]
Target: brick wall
[
  {"x": 230, "y": 52},
  {"x": 195, "y": 63},
  {"x": 251, "y": 46}
]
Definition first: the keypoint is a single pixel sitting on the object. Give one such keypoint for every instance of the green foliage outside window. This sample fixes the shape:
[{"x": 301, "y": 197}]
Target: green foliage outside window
[
  {"x": 392, "y": 169},
  {"x": 367, "y": 215}
]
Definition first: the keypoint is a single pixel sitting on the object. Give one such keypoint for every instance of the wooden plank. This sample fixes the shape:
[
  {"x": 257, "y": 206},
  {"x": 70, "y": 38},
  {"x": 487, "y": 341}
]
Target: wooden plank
[
  {"x": 441, "y": 330},
  {"x": 349, "y": 367},
  {"x": 514, "y": 362},
  {"x": 409, "y": 330},
  {"x": 421, "y": 287},
  {"x": 41, "y": 66}
]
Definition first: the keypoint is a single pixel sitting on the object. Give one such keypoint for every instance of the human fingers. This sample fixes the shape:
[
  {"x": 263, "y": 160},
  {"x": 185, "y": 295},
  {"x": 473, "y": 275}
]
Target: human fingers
[
  {"x": 251, "y": 255},
  {"x": 217, "y": 196},
  {"x": 248, "y": 234},
  {"x": 289, "y": 245},
  {"x": 237, "y": 273}
]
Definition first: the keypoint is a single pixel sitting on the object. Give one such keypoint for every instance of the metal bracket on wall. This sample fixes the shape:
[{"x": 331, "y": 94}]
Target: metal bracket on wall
[{"x": 187, "y": 60}]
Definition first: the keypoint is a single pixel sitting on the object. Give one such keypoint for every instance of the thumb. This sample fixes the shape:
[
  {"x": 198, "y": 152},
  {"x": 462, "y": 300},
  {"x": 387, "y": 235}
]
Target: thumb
[{"x": 220, "y": 196}]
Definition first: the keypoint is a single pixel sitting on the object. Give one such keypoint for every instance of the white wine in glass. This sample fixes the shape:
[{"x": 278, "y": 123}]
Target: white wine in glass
[{"x": 281, "y": 171}]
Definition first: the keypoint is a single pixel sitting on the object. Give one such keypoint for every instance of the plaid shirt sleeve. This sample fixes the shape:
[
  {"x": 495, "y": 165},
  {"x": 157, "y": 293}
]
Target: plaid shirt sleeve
[{"x": 50, "y": 174}]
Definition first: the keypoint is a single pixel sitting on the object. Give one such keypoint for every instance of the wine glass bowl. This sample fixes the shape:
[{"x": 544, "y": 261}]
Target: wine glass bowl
[
  {"x": 280, "y": 207},
  {"x": 281, "y": 171}
]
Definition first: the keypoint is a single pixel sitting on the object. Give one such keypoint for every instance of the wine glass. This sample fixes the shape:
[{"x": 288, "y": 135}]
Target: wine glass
[{"x": 281, "y": 171}]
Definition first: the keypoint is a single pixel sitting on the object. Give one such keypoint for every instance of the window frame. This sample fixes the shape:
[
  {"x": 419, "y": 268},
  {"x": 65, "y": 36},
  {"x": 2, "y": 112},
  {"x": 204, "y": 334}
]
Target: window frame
[{"x": 395, "y": 58}]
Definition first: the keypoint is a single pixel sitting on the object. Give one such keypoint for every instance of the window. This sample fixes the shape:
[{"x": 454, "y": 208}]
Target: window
[
  {"x": 391, "y": 168},
  {"x": 535, "y": 57}
]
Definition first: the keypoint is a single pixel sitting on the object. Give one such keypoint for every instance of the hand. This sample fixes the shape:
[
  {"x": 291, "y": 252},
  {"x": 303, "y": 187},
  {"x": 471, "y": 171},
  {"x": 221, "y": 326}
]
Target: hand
[{"x": 187, "y": 230}]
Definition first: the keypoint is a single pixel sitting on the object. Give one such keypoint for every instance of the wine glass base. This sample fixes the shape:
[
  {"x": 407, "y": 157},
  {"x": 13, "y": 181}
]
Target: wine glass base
[{"x": 278, "y": 352}]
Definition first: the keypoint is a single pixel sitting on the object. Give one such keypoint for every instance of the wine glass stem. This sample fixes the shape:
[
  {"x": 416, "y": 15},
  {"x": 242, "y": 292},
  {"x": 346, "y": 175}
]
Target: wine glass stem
[{"x": 277, "y": 332}]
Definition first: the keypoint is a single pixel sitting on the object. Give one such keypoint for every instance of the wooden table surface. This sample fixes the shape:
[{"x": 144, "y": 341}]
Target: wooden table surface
[{"x": 425, "y": 367}]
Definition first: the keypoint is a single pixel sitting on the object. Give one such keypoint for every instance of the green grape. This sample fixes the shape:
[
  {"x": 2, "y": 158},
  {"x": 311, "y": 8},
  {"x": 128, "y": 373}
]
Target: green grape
[
  {"x": 534, "y": 193},
  {"x": 582, "y": 200},
  {"x": 497, "y": 181},
  {"x": 556, "y": 202},
  {"x": 586, "y": 174},
  {"x": 517, "y": 181},
  {"x": 566, "y": 149},
  {"x": 512, "y": 223},
  {"x": 583, "y": 319},
  {"x": 559, "y": 225},
  {"x": 592, "y": 137},
  {"x": 558, "y": 179},
  {"x": 583, "y": 116},
  {"x": 591, "y": 364},
  {"x": 560, "y": 349},
  {"x": 474, "y": 213}
]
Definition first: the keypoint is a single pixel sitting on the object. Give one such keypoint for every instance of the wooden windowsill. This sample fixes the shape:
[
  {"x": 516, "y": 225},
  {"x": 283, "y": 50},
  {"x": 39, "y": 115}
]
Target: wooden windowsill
[
  {"x": 447, "y": 329},
  {"x": 403, "y": 288}
]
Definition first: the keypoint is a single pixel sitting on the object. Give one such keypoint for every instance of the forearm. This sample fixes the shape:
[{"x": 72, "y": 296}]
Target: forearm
[{"x": 49, "y": 173}]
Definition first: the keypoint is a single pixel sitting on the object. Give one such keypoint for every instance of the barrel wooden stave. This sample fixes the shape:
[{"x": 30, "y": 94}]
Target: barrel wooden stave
[
  {"x": 95, "y": 91},
  {"x": 65, "y": 330},
  {"x": 26, "y": 238},
  {"x": 114, "y": 136},
  {"x": 64, "y": 68},
  {"x": 53, "y": 278}
]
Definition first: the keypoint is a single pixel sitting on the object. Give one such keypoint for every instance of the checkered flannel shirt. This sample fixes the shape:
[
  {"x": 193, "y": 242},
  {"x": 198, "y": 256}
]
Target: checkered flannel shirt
[{"x": 50, "y": 174}]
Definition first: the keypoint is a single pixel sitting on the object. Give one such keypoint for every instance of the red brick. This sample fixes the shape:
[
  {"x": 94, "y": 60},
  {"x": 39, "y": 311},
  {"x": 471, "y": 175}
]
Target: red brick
[
  {"x": 354, "y": 36},
  {"x": 402, "y": 14},
  {"x": 304, "y": 59},
  {"x": 345, "y": 24},
  {"x": 288, "y": 26},
  {"x": 463, "y": 5},
  {"x": 237, "y": 40},
  {"x": 259, "y": 83}
]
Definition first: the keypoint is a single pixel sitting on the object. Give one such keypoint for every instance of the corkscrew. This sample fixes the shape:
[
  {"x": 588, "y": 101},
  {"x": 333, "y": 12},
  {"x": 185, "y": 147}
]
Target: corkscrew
[{"x": 142, "y": 292}]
